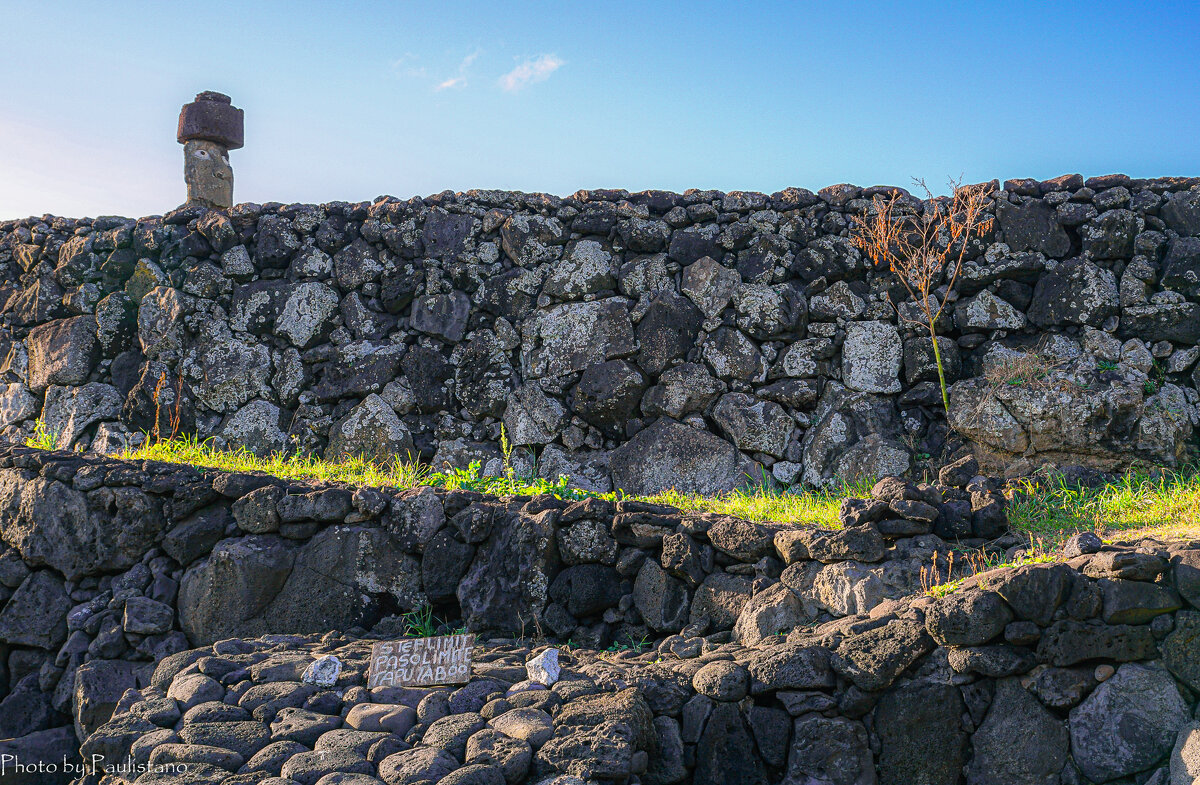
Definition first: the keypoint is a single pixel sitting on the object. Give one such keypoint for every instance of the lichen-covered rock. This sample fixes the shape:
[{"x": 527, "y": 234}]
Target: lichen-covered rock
[
  {"x": 754, "y": 425},
  {"x": 532, "y": 417},
  {"x": 443, "y": 315},
  {"x": 871, "y": 357},
  {"x": 853, "y": 435},
  {"x": 669, "y": 455},
  {"x": 986, "y": 311},
  {"x": 1032, "y": 226},
  {"x": 587, "y": 269},
  {"x": 161, "y": 326},
  {"x": 1128, "y": 724},
  {"x": 709, "y": 285},
  {"x": 1076, "y": 292},
  {"x": 1067, "y": 421},
  {"x": 306, "y": 315},
  {"x": 70, "y": 411},
  {"x": 224, "y": 372},
  {"x": 680, "y": 391},
  {"x": 570, "y": 337},
  {"x": 667, "y": 332},
  {"x": 371, "y": 430},
  {"x": 61, "y": 352},
  {"x": 530, "y": 240},
  {"x": 732, "y": 355},
  {"x": 257, "y": 427}
]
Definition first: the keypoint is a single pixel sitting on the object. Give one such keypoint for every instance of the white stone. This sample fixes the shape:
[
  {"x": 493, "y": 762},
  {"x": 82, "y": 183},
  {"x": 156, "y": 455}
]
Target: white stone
[
  {"x": 544, "y": 668},
  {"x": 306, "y": 314},
  {"x": 323, "y": 672},
  {"x": 235, "y": 263},
  {"x": 989, "y": 312},
  {"x": 871, "y": 357}
]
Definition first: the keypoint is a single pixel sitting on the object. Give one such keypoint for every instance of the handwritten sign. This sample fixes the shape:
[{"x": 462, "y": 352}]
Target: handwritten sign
[{"x": 421, "y": 662}]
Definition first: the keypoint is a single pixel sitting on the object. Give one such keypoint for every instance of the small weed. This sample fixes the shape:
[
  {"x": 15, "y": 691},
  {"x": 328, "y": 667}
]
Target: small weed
[
  {"x": 973, "y": 563},
  {"x": 629, "y": 644},
  {"x": 421, "y": 623},
  {"x": 1106, "y": 365},
  {"x": 43, "y": 437}
]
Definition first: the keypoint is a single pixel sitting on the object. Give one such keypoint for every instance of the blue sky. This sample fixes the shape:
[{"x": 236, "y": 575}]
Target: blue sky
[{"x": 351, "y": 100}]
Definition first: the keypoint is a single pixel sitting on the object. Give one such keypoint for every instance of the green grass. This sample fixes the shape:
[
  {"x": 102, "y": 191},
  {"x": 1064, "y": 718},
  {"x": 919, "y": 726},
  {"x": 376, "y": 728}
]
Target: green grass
[
  {"x": 758, "y": 503},
  {"x": 421, "y": 623},
  {"x": 815, "y": 507},
  {"x": 1143, "y": 503},
  {"x": 358, "y": 471}
]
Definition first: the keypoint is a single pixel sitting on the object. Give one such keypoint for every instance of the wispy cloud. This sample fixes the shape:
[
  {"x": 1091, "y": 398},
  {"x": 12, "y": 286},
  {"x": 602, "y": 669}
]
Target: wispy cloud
[
  {"x": 407, "y": 65},
  {"x": 461, "y": 79},
  {"x": 537, "y": 69}
]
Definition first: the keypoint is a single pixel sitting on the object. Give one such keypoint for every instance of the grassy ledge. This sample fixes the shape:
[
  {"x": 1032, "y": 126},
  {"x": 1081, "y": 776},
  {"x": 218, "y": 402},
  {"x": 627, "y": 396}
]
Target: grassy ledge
[
  {"x": 757, "y": 503},
  {"x": 1164, "y": 504}
]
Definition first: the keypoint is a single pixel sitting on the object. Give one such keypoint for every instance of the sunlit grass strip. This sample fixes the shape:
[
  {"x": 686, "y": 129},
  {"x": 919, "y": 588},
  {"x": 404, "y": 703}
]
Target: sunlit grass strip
[
  {"x": 189, "y": 450},
  {"x": 1141, "y": 503},
  {"x": 761, "y": 503}
]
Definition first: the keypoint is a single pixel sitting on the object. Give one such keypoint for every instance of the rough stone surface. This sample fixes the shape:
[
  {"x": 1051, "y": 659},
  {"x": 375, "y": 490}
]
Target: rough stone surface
[{"x": 1129, "y": 723}]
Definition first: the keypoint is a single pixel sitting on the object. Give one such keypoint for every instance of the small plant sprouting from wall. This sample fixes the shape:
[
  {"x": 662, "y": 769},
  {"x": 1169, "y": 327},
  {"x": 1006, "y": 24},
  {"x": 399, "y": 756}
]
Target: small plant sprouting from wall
[
  {"x": 44, "y": 438},
  {"x": 924, "y": 242},
  {"x": 173, "y": 416}
]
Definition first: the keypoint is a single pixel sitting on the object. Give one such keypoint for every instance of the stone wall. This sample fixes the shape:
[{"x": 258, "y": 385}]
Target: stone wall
[
  {"x": 773, "y": 650},
  {"x": 636, "y": 340}
]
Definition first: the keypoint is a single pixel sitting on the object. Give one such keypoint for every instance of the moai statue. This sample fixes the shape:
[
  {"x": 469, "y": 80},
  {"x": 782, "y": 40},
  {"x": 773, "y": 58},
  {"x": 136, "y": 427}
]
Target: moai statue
[{"x": 209, "y": 128}]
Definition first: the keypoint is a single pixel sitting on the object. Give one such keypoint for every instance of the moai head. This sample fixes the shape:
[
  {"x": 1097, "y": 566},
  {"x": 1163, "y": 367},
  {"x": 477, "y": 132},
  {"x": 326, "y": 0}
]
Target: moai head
[{"x": 209, "y": 128}]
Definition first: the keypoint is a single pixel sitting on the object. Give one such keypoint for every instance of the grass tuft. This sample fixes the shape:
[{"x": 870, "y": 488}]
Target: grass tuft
[{"x": 1157, "y": 503}]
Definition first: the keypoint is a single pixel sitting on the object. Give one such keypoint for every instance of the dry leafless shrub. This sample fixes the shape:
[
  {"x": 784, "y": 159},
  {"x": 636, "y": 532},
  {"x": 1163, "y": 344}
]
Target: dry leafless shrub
[{"x": 924, "y": 242}]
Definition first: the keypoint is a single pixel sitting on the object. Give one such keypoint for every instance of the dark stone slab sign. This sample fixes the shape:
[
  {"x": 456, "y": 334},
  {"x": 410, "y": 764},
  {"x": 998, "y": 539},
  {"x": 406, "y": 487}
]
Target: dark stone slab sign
[{"x": 421, "y": 662}]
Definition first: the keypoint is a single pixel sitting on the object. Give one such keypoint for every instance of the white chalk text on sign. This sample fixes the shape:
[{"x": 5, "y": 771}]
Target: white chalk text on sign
[{"x": 421, "y": 662}]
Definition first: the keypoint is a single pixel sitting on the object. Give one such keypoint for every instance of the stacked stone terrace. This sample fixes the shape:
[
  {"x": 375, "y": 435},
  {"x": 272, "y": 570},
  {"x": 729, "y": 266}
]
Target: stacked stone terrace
[
  {"x": 158, "y": 614},
  {"x": 628, "y": 340}
]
